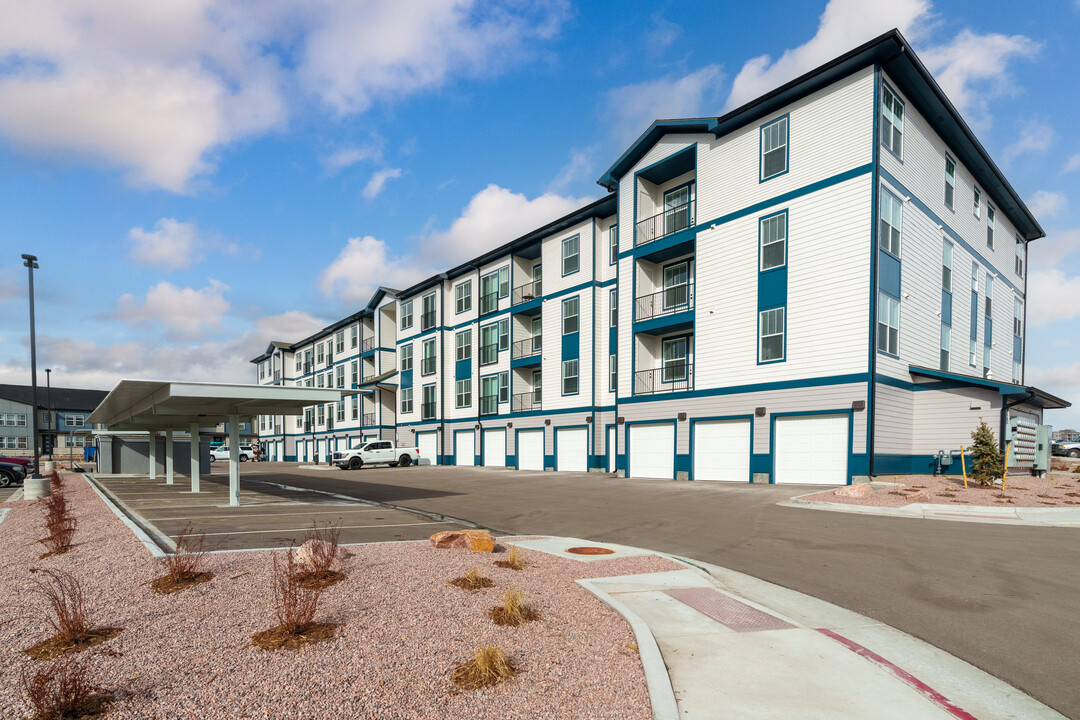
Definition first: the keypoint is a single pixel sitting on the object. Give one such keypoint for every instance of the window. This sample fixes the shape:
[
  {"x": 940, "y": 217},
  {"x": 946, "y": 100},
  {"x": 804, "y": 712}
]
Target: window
[
  {"x": 489, "y": 395},
  {"x": 504, "y": 387},
  {"x": 773, "y": 231},
  {"x": 489, "y": 293},
  {"x": 771, "y": 335},
  {"x": 1019, "y": 266},
  {"x": 972, "y": 353},
  {"x": 339, "y": 341},
  {"x": 677, "y": 209},
  {"x": 990, "y": 226},
  {"x": 976, "y": 202},
  {"x": 406, "y": 314},
  {"x": 613, "y": 243},
  {"x": 427, "y": 319},
  {"x": 262, "y": 370},
  {"x": 537, "y": 387},
  {"x": 774, "y": 148},
  {"x": 489, "y": 344},
  {"x": 428, "y": 363},
  {"x": 504, "y": 282},
  {"x": 892, "y": 122},
  {"x": 537, "y": 334},
  {"x": 986, "y": 361},
  {"x": 463, "y": 296},
  {"x": 614, "y": 301},
  {"x": 974, "y": 277},
  {"x": 946, "y": 266},
  {"x": 354, "y": 371},
  {"x": 340, "y": 373},
  {"x": 299, "y": 362},
  {"x": 504, "y": 334},
  {"x": 320, "y": 381},
  {"x": 406, "y": 357},
  {"x": 464, "y": 393},
  {"x": 427, "y": 408},
  {"x": 950, "y": 182},
  {"x": 406, "y": 400},
  {"x": 464, "y": 345},
  {"x": 356, "y": 407},
  {"x": 676, "y": 285},
  {"x": 354, "y": 333},
  {"x": 321, "y": 414},
  {"x": 570, "y": 316},
  {"x": 75, "y": 420},
  {"x": 674, "y": 360},
  {"x": 988, "y": 309},
  {"x": 1018, "y": 314},
  {"x": 892, "y": 220},
  {"x": 1017, "y": 372},
  {"x": 613, "y": 373},
  {"x": 946, "y": 341},
  {"x": 571, "y": 257},
  {"x": 888, "y": 324},
  {"x": 570, "y": 377},
  {"x": 320, "y": 354},
  {"x": 340, "y": 410}
]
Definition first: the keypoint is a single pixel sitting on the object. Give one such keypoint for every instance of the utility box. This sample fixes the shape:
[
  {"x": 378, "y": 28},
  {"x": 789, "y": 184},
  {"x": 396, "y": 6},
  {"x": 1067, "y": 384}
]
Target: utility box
[
  {"x": 1042, "y": 450},
  {"x": 1023, "y": 435}
]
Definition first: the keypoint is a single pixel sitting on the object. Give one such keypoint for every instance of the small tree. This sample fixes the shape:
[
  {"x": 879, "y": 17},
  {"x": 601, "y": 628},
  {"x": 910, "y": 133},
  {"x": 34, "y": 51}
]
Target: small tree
[{"x": 989, "y": 463}]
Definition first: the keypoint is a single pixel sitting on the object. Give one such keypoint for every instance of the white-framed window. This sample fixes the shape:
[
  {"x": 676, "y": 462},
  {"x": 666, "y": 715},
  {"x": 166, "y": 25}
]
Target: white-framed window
[
  {"x": 406, "y": 400},
  {"x": 321, "y": 414},
  {"x": 613, "y": 373},
  {"x": 571, "y": 255},
  {"x": 340, "y": 410},
  {"x": 613, "y": 243},
  {"x": 320, "y": 381},
  {"x": 570, "y": 377},
  {"x": 774, "y": 148},
  {"x": 974, "y": 277},
  {"x": 946, "y": 346},
  {"x": 773, "y": 233},
  {"x": 339, "y": 341},
  {"x": 888, "y": 324},
  {"x": 973, "y": 353},
  {"x": 75, "y": 420},
  {"x": 1019, "y": 264},
  {"x": 464, "y": 393},
  {"x": 976, "y": 203},
  {"x": 320, "y": 353},
  {"x": 674, "y": 354},
  {"x": 463, "y": 341},
  {"x": 614, "y": 301},
  {"x": 299, "y": 362},
  {"x": 354, "y": 336},
  {"x": 354, "y": 372},
  {"x": 986, "y": 360},
  {"x": 262, "y": 370},
  {"x": 463, "y": 296},
  {"x": 355, "y": 413},
  {"x": 892, "y": 222},
  {"x": 406, "y": 314},
  {"x": 1018, "y": 372},
  {"x": 504, "y": 387},
  {"x": 1018, "y": 317},
  {"x": 427, "y": 366},
  {"x": 988, "y": 308},
  {"x": 892, "y": 122},
  {"x": 340, "y": 374},
  {"x": 427, "y": 319},
  {"x": 946, "y": 266},
  {"x": 537, "y": 387},
  {"x": 570, "y": 316},
  {"x": 406, "y": 357},
  {"x": 990, "y": 226},
  {"x": 504, "y": 282},
  {"x": 771, "y": 335},
  {"x": 950, "y": 182},
  {"x": 504, "y": 334}
]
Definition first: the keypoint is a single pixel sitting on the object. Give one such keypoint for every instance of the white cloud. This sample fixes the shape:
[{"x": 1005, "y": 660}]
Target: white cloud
[
  {"x": 1047, "y": 204},
  {"x": 185, "y": 313},
  {"x": 1072, "y": 164},
  {"x": 1052, "y": 296},
  {"x": 1062, "y": 381},
  {"x": 378, "y": 182},
  {"x": 363, "y": 265},
  {"x": 1048, "y": 253},
  {"x": 630, "y": 109},
  {"x": 10, "y": 287},
  {"x": 172, "y": 244},
  {"x": 1035, "y": 137},
  {"x": 845, "y": 24},
  {"x": 349, "y": 156},
  {"x": 578, "y": 168}
]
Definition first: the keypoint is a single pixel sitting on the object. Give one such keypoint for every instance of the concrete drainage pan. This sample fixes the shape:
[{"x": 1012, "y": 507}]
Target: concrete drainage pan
[{"x": 578, "y": 549}]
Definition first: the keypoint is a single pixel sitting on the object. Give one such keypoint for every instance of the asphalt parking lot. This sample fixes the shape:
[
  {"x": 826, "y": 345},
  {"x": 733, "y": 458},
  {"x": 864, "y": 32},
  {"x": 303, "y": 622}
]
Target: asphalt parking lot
[{"x": 7, "y": 492}]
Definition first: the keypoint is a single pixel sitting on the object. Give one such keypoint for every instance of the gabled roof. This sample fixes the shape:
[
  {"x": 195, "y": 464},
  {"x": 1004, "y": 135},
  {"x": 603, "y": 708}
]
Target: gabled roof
[
  {"x": 61, "y": 398},
  {"x": 893, "y": 53}
]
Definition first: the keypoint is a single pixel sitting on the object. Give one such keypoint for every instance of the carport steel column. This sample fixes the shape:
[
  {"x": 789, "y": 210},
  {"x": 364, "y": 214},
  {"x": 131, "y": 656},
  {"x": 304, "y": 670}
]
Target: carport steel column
[
  {"x": 234, "y": 460},
  {"x": 168, "y": 457},
  {"x": 153, "y": 454},
  {"x": 194, "y": 457}
]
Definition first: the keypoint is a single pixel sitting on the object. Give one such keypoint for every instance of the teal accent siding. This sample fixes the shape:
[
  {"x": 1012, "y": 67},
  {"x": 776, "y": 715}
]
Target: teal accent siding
[
  {"x": 526, "y": 361},
  {"x": 974, "y": 315},
  {"x": 406, "y": 378},
  {"x": 772, "y": 288},
  {"x": 463, "y": 369},
  {"x": 988, "y": 332},
  {"x": 571, "y": 348},
  {"x": 946, "y": 307},
  {"x": 676, "y": 321}
]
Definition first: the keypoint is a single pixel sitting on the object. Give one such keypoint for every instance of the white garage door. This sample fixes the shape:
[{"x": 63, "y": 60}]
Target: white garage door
[
  {"x": 611, "y": 447},
  {"x": 722, "y": 450},
  {"x": 530, "y": 450},
  {"x": 811, "y": 449},
  {"x": 572, "y": 449},
  {"x": 494, "y": 448},
  {"x": 426, "y": 444},
  {"x": 652, "y": 451},
  {"x": 464, "y": 448}
]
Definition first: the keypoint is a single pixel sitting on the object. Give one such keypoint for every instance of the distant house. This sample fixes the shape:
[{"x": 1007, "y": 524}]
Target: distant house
[
  {"x": 1066, "y": 436},
  {"x": 62, "y": 414}
]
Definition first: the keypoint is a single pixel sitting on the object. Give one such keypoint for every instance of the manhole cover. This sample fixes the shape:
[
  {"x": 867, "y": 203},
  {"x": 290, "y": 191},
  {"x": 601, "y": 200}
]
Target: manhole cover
[{"x": 590, "y": 550}]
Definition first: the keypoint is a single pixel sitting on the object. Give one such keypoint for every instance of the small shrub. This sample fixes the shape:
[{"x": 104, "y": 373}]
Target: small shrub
[
  {"x": 324, "y": 548},
  {"x": 488, "y": 666},
  {"x": 60, "y": 524},
  {"x": 514, "y": 560},
  {"x": 989, "y": 464},
  {"x": 472, "y": 581},
  {"x": 183, "y": 567},
  {"x": 513, "y": 611},
  {"x": 63, "y": 596},
  {"x": 294, "y": 604},
  {"x": 62, "y": 689}
]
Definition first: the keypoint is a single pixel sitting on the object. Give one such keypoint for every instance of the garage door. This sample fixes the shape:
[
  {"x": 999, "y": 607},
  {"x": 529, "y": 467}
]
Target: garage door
[
  {"x": 464, "y": 448},
  {"x": 426, "y": 444},
  {"x": 811, "y": 449},
  {"x": 494, "y": 448},
  {"x": 652, "y": 451},
  {"x": 611, "y": 449},
  {"x": 530, "y": 450},
  {"x": 722, "y": 450},
  {"x": 572, "y": 449}
]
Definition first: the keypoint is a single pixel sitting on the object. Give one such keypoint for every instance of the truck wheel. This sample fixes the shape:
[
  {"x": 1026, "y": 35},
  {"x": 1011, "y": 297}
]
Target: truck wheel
[
  {"x": 355, "y": 463},
  {"x": 404, "y": 461},
  {"x": 243, "y": 458},
  {"x": 1074, "y": 453}
]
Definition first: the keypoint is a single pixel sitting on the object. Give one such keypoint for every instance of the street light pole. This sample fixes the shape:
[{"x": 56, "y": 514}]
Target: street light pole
[
  {"x": 48, "y": 405},
  {"x": 30, "y": 262}
]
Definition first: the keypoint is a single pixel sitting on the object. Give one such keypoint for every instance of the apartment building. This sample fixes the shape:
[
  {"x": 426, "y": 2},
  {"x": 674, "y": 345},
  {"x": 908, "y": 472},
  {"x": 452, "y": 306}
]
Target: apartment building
[
  {"x": 824, "y": 284},
  {"x": 62, "y": 414}
]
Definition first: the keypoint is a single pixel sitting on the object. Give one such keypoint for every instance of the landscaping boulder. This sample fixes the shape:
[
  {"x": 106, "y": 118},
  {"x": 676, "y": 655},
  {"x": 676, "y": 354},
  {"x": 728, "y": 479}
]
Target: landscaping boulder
[
  {"x": 306, "y": 553},
  {"x": 857, "y": 490},
  {"x": 919, "y": 496},
  {"x": 474, "y": 540}
]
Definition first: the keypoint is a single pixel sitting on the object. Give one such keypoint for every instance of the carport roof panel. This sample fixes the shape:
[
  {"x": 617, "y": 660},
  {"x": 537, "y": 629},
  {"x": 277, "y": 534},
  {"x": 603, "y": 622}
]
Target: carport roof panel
[{"x": 149, "y": 404}]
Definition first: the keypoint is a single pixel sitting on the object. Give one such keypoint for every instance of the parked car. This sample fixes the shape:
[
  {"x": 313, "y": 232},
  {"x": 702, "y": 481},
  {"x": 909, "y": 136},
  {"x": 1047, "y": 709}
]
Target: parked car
[
  {"x": 377, "y": 452},
  {"x": 11, "y": 473},
  {"x": 1068, "y": 449},
  {"x": 221, "y": 452}
]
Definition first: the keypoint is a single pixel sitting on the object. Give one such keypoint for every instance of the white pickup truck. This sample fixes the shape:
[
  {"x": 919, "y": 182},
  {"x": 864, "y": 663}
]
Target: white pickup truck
[{"x": 376, "y": 452}]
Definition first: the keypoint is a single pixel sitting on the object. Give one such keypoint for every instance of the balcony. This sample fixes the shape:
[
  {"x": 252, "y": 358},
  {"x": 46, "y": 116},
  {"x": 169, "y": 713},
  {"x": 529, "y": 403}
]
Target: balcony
[
  {"x": 670, "y": 221},
  {"x": 669, "y": 301},
  {"x": 489, "y": 405},
  {"x": 369, "y": 344},
  {"x": 525, "y": 402},
  {"x": 489, "y": 354},
  {"x": 673, "y": 377},
  {"x": 368, "y": 420},
  {"x": 427, "y": 320},
  {"x": 308, "y": 428},
  {"x": 277, "y": 429},
  {"x": 427, "y": 366},
  {"x": 329, "y": 422},
  {"x": 308, "y": 367},
  {"x": 427, "y": 411},
  {"x": 525, "y": 293},
  {"x": 329, "y": 359},
  {"x": 526, "y": 348},
  {"x": 489, "y": 303}
]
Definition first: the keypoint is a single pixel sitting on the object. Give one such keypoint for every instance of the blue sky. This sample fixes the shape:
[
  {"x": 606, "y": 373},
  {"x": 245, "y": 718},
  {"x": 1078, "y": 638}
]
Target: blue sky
[{"x": 198, "y": 177}]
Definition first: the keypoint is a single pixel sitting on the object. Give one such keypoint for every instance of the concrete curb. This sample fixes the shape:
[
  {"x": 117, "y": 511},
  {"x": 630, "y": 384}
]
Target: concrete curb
[
  {"x": 657, "y": 680},
  {"x": 3, "y": 513},
  {"x": 114, "y": 504},
  {"x": 15, "y": 496},
  {"x": 960, "y": 513}
]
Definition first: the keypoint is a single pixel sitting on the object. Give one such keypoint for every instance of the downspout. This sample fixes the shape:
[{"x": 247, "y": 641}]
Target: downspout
[
  {"x": 1005, "y": 417},
  {"x": 443, "y": 277},
  {"x": 1023, "y": 330},
  {"x": 595, "y": 344}
]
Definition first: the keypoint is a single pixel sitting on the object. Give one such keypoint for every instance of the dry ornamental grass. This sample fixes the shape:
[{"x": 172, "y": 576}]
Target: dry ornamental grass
[
  {"x": 513, "y": 561},
  {"x": 66, "y": 615},
  {"x": 62, "y": 689},
  {"x": 322, "y": 553},
  {"x": 295, "y": 607},
  {"x": 513, "y": 611},
  {"x": 488, "y": 666},
  {"x": 472, "y": 581},
  {"x": 60, "y": 525},
  {"x": 183, "y": 568}
]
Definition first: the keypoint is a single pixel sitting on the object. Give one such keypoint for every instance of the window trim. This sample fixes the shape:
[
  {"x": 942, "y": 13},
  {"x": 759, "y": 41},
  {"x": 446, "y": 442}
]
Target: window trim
[
  {"x": 577, "y": 315},
  {"x": 401, "y": 356},
  {"x": 785, "y": 118},
  {"x": 564, "y": 257},
  {"x": 881, "y": 219},
  {"x": 885, "y": 88},
  {"x": 613, "y": 243},
  {"x": 576, "y": 376},
  {"x": 504, "y": 384},
  {"x": 406, "y": 312},
  {"x": 882, "y": 297},
  {"x": 467, "y": 393},
  {"x": 463, "y": 297},
  {"x": 406, "y": 396},
  {"x": 950, "y": 182},
  {"x": 466, "y": 345},
  {"x": 761, "y": 241},
  {"x": 783, "y": 335}
]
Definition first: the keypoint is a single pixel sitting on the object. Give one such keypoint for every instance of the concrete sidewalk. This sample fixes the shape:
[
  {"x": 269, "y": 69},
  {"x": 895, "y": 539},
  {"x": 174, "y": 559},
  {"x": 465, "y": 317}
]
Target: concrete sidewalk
[
  {"x": 1049, "y": 517},
  {"x": 719, "y": 644}
]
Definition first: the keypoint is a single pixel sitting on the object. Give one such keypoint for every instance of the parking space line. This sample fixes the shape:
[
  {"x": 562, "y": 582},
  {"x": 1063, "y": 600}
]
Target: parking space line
[
  {"x": 303, "y": 529},
  {"x": 284, "y": 514}
]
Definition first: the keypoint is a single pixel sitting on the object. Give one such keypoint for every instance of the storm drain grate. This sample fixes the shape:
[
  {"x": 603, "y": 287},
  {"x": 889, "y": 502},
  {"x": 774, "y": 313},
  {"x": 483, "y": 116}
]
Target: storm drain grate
[{"x": 728, "y": 611}]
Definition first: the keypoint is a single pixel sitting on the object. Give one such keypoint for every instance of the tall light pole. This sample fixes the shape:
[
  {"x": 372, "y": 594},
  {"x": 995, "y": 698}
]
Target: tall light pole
[
  {"x": 30, "y": 262},
  {"x": 48, "y": 405}
]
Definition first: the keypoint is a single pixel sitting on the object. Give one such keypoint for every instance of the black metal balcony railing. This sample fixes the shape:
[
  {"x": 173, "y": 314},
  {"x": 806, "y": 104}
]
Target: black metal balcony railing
[
  {"x": 525, "y": 293},
  {"x": 673, "y": 377},
  {"x": 427, "y": 411},
  {"x": 489, "y": 354},
  {"x": 671, "y": 220},
  {"x": 527, "y": 347},
  {"x": 308, "y": 428},
  {"x": 427, "y": 320},
  {"x": 369, "y": 344},
  {"x": 671, "y": 300},
  {"x": 329, "y": 422},
  {"x": 368, "y": 420},
  {"x": 329, "y": 358},
  {"x": 489, "y": 405},
  {"x": 427, "y": 366},
  {"x": 308, "y": 367},
  {"x": 489, "y": 303},
  {"x": 524, "y": 402}
]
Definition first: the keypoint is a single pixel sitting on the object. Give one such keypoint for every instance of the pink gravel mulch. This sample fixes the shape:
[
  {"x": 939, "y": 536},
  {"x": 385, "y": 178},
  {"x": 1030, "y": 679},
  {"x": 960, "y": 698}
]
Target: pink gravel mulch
[
  {"x": 403, "y": 630},
  {"x": 1020, "y": 491}
]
